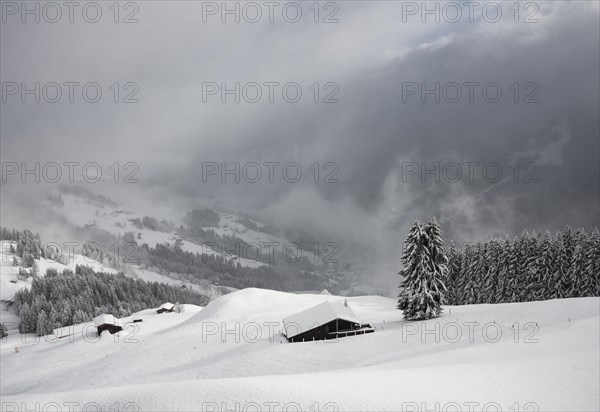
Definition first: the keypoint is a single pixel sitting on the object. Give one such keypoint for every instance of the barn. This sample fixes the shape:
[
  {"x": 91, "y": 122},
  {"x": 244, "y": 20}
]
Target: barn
[
  {"x": 107, "y": 322},
  {"x": 328, "y": 320},
  {"x": 166, "y": 307}
]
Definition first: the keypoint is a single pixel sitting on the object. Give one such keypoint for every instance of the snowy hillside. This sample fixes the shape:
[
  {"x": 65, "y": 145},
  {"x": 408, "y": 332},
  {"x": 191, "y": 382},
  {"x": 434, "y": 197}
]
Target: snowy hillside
[
  {"x": 82, "y": 212},
  {"x": 10, "y": 282},
  {"x": 537, "y": 355}
]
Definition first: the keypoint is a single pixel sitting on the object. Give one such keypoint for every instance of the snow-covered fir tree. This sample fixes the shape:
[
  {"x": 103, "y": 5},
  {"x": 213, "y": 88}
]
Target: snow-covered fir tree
[
  {"x": 43, "y": 325},
  {"x": 490, "y": 283},
  {"x": 424, "y": 268},
  {"x": 576, "y": 273},
  {"x": 592, "y": 266},
  {"x": 454, "y": 269},
  {"x": 503, "y": 269}
]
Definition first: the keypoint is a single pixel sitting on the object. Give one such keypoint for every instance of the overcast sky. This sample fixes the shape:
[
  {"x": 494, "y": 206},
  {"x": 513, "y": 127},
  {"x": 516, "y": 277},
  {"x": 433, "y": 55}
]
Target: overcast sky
[{"x": 374, "y": 134}]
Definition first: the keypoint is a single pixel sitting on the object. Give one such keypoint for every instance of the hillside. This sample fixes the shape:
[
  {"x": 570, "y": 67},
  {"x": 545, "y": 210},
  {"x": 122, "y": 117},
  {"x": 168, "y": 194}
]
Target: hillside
[{"x": 231, "y": 352}]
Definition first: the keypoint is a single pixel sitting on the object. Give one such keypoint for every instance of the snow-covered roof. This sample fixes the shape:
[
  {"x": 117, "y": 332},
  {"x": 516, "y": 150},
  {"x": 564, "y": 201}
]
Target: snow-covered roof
[
  {"x": 105, "y": 319},
  {"x": 167, "y": 306},
  {"x": 317, "y": 316}
]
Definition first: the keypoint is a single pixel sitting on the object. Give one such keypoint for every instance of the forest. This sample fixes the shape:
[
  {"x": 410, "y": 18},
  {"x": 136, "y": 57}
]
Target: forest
[
  {"x": 530, "y": 267},
  {"x": 68, "y": 298}
]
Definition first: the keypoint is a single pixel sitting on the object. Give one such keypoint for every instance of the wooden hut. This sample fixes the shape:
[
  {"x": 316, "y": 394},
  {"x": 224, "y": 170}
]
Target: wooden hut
[
  {"x": 166, "y": 307},
  {"x": 107, "y": 322},
  {"x": 328, "y": 320}
]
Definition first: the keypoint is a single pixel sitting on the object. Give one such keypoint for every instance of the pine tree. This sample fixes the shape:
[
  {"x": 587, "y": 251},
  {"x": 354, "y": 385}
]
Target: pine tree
[
  {"x": 568, "y": 242},
  {"x": 42, "y": 324},
  {"x": 592, "y": 265},
  {"x": 546, "y": 266},
  {"x": 562, "y": 283},
  {"x": 454, "y": 268},
  {"x": 503, "y": 271},
  {"x": 3, "y": 330},
  {"x": 79, "y": 317},
  {"x": 579, "y": 282},
  {"x": 490, "y": 285},
  {"x": 472, "y": 277},
  {"x": 512, "y": 274},
  {"x": 26, "y": 325},
  {"x": 34, "y": 269},
  {"x": 532, "y": 278},
  {"x": 28, "y": 260},
  {"x": 424, "y": 267}
]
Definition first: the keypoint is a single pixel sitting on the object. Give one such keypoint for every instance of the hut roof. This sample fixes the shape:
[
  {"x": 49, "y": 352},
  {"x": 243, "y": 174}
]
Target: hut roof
[
  {"x": 167, "y": 306},
  {"x": 105, "y": 319}
]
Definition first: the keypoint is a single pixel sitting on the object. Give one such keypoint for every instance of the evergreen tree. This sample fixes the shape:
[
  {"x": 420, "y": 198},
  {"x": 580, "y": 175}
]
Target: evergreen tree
[
  {"x": 592, "y": 265},
  {"x": 79, "y": 317},
  {"x": 579, "y": 282},
  {"x": 34, "y": 269},
  {"x": 503, "y": 271},
  {"x": 562, "y": 283},
  {"x": 438, "y": 260},
  {"x": 490, "y": 285},
  {"x": 3, "y": 330},
  {"x": 513, "y": 272},
  {"x": 568, "y": 241},
  {"x": 28, "y": 260},
  {"x": 43, "y": 327},
  {"x": 26, "y": 324},
  {"x": 454, "y": 269},
  {"x": 424, "y": 267},
  {"x": 534, "y": 284},
  {"x": 463, "y": 282},
  {"x": 546, "y": 266}
]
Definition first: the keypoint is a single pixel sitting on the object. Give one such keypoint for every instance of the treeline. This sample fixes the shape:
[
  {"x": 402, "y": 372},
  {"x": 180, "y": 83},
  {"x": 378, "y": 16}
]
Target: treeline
[
  {"x": 151, "y": 223},
  {"x": 199, "y": 218},
  {"x": 85, "y": 194},
  {"x": 235, "y": 246},
  {"x": 530, "y": 267},
  {"x": 67, "y": 298}
]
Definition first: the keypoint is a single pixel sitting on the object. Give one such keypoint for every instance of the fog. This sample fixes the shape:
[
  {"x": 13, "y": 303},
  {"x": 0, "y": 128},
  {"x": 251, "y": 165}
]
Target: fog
[{"x": 384, "y": 157}]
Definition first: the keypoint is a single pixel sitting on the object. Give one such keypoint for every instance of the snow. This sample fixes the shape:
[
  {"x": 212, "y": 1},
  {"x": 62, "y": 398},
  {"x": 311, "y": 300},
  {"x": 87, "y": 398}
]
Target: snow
[
  {"x": 316, "y": 316},
  {"x": 231, "y": 353}
]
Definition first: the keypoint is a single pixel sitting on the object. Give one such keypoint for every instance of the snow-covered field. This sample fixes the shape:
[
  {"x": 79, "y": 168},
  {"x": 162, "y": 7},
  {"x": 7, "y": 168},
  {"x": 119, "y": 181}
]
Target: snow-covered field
[{"x": 231, "y": 356}]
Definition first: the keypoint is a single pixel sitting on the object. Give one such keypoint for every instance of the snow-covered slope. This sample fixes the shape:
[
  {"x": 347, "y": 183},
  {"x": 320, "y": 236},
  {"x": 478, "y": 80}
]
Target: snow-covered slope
[
  {"x": 231, "y": 353},
  {"x": 82, "y": 212},
  {"x": 9, "y": 282}
]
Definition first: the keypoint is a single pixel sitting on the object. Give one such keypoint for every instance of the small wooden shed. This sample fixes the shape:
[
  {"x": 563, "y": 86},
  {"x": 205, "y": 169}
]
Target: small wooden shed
[
  {"x": 166, "y": 307},
  {"x": 107, "y": 322},
  {"x": 328, "y": 320}
]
